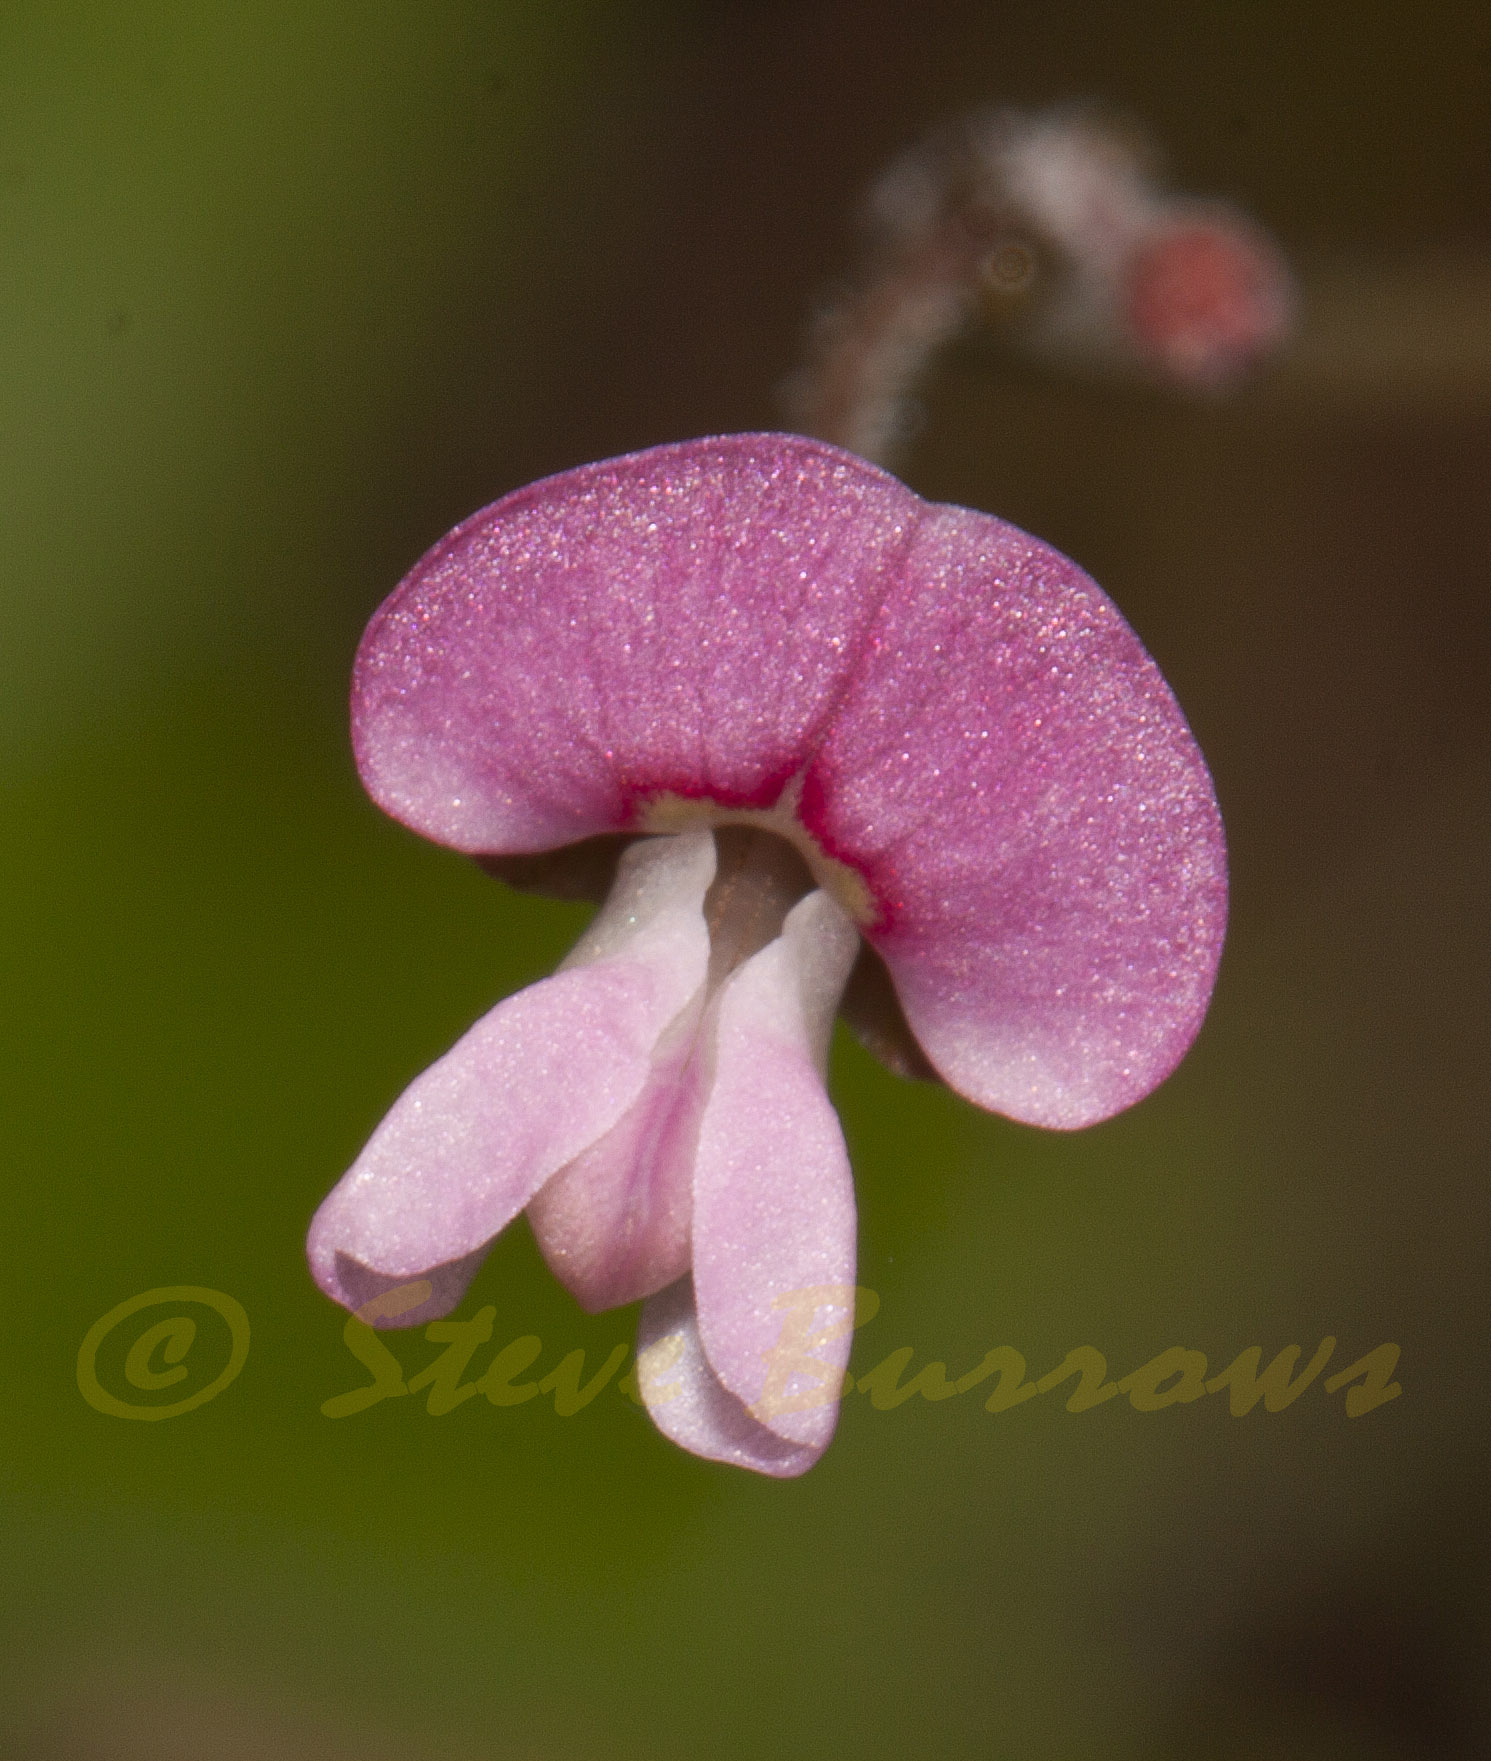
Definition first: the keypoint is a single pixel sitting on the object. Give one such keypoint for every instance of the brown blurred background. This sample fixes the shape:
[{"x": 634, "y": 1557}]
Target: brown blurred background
[{"x": 288, "y": 291}]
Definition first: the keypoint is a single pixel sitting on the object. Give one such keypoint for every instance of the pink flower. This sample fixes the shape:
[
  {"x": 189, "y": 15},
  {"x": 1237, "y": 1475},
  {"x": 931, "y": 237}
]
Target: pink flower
[{"x": 826, "y": 714}]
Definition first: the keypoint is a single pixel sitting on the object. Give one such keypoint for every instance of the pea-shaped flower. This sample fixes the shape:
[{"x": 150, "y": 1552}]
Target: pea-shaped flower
[{"x": 813, "y": 713}]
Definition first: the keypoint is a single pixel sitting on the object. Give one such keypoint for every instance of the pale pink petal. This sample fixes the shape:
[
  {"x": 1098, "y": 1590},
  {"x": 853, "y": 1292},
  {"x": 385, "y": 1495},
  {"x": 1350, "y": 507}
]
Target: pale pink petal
[
  {"x": 687, "y": 1403},
  {"x": 681, "y": 620},
  {"x": 614, "y": 1224},
  {"x": 533, "y": 1084},
  {"x": 384, "y": 1299},
  {"x": 774, "y": 1212},
  {"x": 1014, "y": 779}
]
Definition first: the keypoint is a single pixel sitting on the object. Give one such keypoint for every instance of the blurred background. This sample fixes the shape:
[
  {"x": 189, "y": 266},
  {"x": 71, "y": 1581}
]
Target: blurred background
[{"x": 287, "y": 290}]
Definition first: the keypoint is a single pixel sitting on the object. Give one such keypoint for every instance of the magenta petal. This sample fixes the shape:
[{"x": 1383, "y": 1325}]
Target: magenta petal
[
  {"x": 687, "y": 1403},
  {"x": 534, "y": 1083},
  {"x": 1017, "y": 783},
  {"x": 774, "y": 1211},
  {"x": 681, "y": 620}
]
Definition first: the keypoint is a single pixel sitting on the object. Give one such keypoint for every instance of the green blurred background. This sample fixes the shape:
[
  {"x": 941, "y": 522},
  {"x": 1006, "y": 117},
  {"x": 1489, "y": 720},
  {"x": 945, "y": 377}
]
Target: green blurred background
[{"x": 288, "y": 290}]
